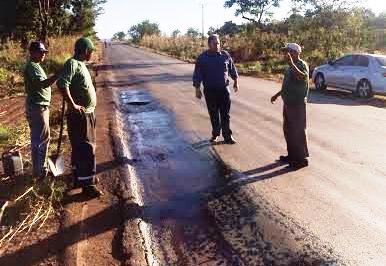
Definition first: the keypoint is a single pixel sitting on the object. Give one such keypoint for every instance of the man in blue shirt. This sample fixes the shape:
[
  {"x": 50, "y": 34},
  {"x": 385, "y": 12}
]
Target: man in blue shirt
[{"x": 213, "y": 69}]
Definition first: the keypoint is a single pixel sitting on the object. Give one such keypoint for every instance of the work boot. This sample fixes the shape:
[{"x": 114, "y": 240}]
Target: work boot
[
  {"x": 92, "y": 191},
  {"x": 230, "y": 140}
]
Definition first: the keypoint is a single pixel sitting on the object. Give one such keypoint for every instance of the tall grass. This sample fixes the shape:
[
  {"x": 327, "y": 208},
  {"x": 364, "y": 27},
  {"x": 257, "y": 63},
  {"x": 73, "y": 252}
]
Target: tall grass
[
  {"x": 254, "y": 53},
  {"x": 13, "y": 58},
  {"x": 184, "y": 48}
]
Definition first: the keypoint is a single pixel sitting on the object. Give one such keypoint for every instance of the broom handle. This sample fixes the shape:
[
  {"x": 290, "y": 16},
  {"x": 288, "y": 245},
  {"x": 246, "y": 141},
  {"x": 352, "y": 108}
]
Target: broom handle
[{"x": 61, "y": 127}]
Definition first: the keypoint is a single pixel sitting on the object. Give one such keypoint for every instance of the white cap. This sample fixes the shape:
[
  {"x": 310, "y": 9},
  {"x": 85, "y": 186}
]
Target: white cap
[{"x": 294, "y": 46}]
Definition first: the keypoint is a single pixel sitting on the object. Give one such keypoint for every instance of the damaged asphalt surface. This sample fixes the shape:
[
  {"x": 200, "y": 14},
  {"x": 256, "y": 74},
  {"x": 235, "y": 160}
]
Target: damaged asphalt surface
[{"x": 199, "y": 204}]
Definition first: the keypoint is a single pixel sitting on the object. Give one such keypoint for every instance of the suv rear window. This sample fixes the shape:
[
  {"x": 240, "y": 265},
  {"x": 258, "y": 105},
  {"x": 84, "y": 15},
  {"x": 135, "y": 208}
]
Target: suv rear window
[{"x": 381, "y": 60}]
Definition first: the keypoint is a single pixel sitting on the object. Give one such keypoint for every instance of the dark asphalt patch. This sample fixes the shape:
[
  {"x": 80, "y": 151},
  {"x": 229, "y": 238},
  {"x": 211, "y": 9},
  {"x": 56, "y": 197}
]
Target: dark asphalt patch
[{"x": 195, "y": 215}]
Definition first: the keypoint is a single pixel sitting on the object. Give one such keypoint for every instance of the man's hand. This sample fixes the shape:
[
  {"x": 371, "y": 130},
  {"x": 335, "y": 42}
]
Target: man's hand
[
  {"x": 78, "y": 108},
  {"x": 236, "y": 86},
  {"x": 274, "y": 98},
  {"x": 289, "y": 59},
  {"x": 198, "y": 93}
]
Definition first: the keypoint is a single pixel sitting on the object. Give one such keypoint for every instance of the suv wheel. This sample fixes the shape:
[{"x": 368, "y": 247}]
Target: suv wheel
[{"x": 320, "y": 83}]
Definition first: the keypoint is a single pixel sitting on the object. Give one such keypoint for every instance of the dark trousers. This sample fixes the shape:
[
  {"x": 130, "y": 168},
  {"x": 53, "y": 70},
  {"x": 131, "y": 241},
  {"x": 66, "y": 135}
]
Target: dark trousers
[
  {"x": 81, "y": 131},
  {"x": 295, "y": 131},
  {"x": 219, "y": 105},
  {"x": 38, "y": 119}
]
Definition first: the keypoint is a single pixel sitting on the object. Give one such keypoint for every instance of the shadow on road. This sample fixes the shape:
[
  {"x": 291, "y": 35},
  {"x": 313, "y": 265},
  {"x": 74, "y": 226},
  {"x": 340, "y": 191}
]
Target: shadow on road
[
  {"x": 185, "y": 208},
  {"x": 127, "y": 66},
  {"x": 341, "y": 97}
]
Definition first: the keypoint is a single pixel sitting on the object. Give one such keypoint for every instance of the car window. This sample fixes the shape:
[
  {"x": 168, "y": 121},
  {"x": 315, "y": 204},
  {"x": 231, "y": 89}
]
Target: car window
[
  {"x": 345, "y": 61},
  {"x": 361, "y": 60},
  {"x": 381, "y": 60}
]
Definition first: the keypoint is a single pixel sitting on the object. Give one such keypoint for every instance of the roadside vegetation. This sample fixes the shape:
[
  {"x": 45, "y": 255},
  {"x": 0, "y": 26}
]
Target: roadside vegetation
[
  {"x": 27, "y": 205},
  {"x": 326, "y": 29}
]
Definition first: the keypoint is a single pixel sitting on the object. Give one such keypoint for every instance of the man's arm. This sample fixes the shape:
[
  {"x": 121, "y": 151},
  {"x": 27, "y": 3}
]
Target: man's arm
[
  {"x": 197, "y": 78},
  {"x": 64, "y": 83},
  {"x": 67, "y": 96},
  {"x": 274, "y": 97},
  {"x": 234, "y": 74},
  {"x": 300, "y": 74},
  {"x": 45, "y": 83}
]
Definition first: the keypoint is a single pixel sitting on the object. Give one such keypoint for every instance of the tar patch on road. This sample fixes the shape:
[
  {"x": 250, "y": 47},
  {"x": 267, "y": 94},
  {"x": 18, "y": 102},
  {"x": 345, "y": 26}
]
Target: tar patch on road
[{"x": 197, "y": 218}]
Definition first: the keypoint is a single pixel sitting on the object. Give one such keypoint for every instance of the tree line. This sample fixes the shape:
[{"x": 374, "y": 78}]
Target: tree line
[
  {"x": 23, "y": 20},
  {"x": 326, "y": 28}
]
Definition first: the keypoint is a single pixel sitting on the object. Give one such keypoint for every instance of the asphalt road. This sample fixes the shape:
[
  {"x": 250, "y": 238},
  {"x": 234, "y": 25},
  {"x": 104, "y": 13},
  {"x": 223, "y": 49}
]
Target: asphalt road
[{"x": 331, "y": 212}]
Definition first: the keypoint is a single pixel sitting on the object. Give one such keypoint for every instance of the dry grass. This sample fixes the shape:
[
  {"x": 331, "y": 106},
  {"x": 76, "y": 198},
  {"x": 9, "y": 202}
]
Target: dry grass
[
  {"x": 183, "y": 48},
  {"x": 13, "y": 58}
]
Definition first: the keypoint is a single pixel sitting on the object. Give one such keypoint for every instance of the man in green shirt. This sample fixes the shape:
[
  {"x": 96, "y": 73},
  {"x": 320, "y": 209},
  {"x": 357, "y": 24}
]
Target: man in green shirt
[
  {"x": 79, "y": 92},
  {"x": 37, "y": 87},
  {"x": 294, "y": 93}
]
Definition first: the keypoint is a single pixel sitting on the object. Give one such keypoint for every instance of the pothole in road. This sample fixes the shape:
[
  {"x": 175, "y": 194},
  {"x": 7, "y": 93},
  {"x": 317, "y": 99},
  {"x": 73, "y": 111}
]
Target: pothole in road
[
  {"x": 137, "y": 101},
  {"x": 135, "y": 97}
]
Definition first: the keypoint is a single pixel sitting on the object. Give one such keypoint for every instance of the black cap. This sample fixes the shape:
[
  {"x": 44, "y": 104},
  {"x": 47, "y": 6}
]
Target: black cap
[{"x": 37, "y": 47}]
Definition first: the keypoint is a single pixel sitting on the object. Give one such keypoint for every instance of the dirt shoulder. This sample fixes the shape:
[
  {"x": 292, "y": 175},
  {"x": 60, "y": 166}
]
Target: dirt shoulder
[{"x": 85, "y": 232}]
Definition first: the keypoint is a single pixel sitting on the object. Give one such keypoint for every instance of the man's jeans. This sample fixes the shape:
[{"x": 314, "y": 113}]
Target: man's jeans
[{"x": 38, "y": 119}]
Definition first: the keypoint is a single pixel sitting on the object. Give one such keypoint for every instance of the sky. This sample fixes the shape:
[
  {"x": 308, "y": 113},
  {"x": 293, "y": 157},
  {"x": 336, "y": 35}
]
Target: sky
[{"x": 120, "y": 15}]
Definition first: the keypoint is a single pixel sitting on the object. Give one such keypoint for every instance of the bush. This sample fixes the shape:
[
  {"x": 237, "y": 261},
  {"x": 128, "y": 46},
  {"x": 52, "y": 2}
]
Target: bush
[
  {"x": 4, "y": 135},
  {"x": 13, "y": 58}
]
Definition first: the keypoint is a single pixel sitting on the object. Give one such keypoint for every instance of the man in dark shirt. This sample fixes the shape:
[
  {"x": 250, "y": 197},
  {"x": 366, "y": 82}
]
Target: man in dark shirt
[
  {"x": 213, "y": 68},
  {"x": 294, "y": 93}
]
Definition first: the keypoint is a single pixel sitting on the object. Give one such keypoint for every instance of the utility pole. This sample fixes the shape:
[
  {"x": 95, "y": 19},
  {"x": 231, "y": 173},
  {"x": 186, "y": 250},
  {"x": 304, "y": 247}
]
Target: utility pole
[{"x": 203, "y": 23}]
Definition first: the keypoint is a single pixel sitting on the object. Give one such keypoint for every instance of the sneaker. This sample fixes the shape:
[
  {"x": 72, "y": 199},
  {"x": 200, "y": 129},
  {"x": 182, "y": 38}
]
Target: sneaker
[
  {"x": 284, "y": 159},
  {"x": 215, "y": 139},
  {"x": 92, "y": 191},
  {"x": 230, "y": 140}
]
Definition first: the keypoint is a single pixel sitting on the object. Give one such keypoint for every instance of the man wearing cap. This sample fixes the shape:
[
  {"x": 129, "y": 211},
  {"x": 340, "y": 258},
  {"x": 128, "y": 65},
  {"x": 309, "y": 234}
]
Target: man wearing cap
[
  {"x": 37, "y": 87},
  {"x": 213, "y": 69},
  {"x": 79, "y": 92},
  {"x": 294, "y": 93}
]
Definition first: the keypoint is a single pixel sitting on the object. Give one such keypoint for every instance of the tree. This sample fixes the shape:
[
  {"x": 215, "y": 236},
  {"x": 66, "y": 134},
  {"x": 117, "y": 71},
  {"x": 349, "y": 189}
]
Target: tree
[
  {"x": 7, "y": 19},
  {"x": 175, "y": 33},
  {"x": 119, "y": 36},
  {"x": 229, "y": 28},
  {"x": 137, "y": 32},
  {"x": 253, "y": 10},
  {"x": 193, "y": 33},
  {"x": 85, "y": 13},
  {"x": 318, "y": 5},
  {"x": 39, "y": 19}
]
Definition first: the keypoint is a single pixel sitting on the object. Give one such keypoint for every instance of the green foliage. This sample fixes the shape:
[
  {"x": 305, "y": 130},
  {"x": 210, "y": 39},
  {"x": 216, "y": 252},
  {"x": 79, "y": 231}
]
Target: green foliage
[
  {"x": 14, "y": 136},
  {"x": 193, "y": 33},
  {"x": 229, "y": 28},
  {"x": 4, "y": 135},
  {"x": 39, "y": 19},
  {"x": 119, "y": 36},
  {"x": 255, "y": 11},
  {"x": 145, "y": 28},
  {"x": 175, "y": 33},
  {"x": 3, "y": 75}
]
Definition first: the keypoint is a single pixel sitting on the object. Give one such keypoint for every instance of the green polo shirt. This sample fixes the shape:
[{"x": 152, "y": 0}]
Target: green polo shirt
[
  {"x": 35, "y": 94},
  {"x": 77, "y": 78},
  {"x": 295, "y": 91}
]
